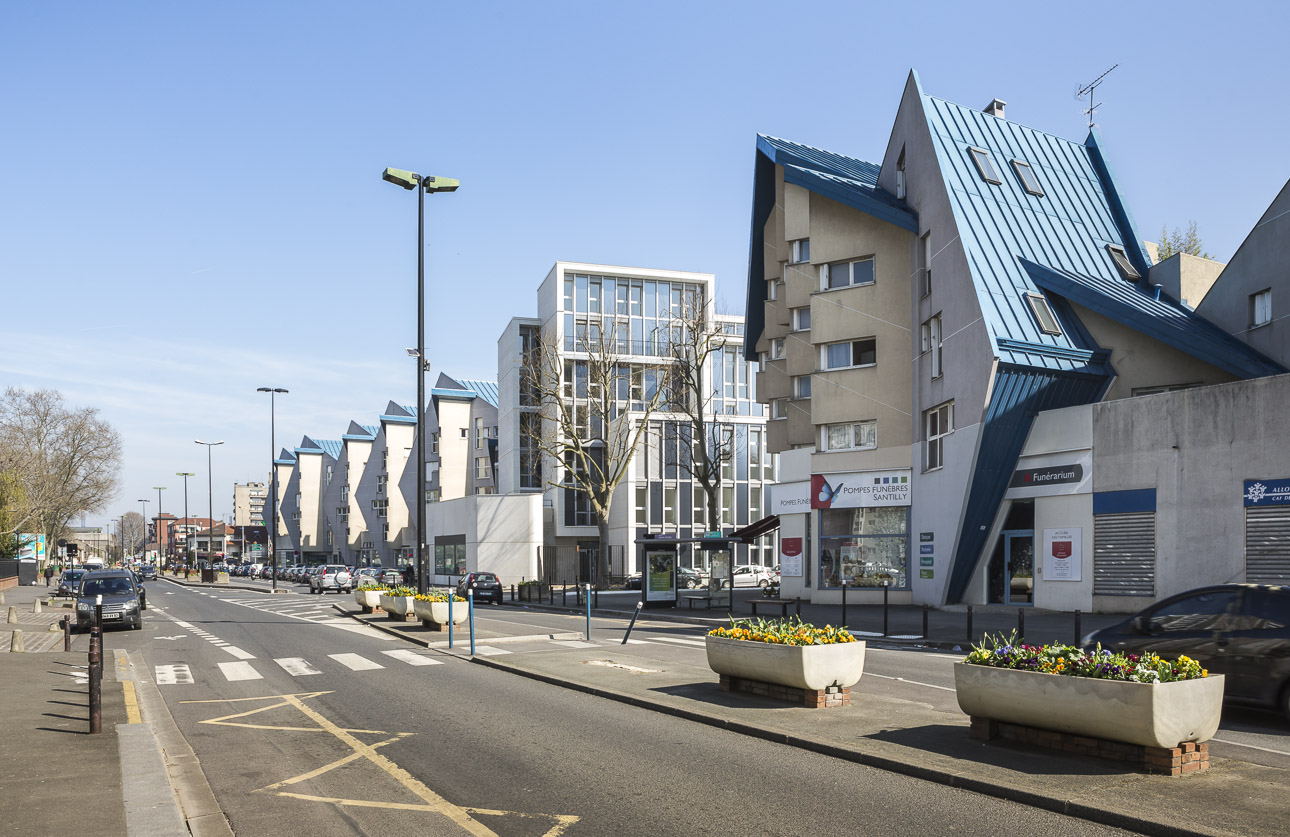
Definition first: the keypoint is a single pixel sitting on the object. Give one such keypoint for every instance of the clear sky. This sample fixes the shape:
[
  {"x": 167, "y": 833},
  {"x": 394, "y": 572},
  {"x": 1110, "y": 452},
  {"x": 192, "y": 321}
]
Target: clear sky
[{"x": 191, "y": 203}]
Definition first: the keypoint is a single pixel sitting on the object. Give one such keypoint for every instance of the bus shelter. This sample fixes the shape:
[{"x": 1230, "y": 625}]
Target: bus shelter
[{"x": 657, "y": 558}]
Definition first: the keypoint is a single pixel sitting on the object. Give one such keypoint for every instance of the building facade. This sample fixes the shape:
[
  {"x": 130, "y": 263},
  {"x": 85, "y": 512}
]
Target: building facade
[{"x": 248, "y": 503}]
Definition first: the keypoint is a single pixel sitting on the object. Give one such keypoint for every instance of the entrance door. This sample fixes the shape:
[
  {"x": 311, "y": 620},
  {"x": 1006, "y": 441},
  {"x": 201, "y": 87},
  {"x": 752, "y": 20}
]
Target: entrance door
[
  {"x": 1019, "y": 558},
  {"x": 588, "y": 562}
]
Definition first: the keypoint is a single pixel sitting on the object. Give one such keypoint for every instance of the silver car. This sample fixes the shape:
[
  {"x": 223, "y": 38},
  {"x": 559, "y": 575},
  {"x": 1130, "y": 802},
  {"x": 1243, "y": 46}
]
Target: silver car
[{"x": 330, "y": 577}]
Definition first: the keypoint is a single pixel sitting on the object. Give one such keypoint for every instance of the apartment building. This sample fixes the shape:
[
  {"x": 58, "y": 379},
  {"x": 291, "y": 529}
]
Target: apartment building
[{"x": 248, "y": 503}]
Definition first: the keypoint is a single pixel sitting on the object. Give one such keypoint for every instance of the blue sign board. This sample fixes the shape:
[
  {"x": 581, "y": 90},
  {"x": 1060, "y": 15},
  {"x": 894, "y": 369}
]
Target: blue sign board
[
  {"x": 926, "y": 549},
  {"x": 1267, "y": 492}
]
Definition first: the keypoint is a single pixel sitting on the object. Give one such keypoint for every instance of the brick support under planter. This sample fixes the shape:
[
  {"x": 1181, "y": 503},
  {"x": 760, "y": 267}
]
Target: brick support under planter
[
  {"x": 828, "y": 698},
  {"x": 438, "y": 627},
  {"x": 1188, "y": 757}
]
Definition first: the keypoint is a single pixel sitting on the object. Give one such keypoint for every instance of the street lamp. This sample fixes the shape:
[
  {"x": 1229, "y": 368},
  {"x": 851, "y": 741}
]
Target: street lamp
[
  {"x": 187, "y": 523},
  {"x": 159, "y": 489},
  {"x": 411, "y": 180},
  {"x": 144, "y": 503},
  {"x": 272, "y": 531},
  {"x": 210, "y": 499}
]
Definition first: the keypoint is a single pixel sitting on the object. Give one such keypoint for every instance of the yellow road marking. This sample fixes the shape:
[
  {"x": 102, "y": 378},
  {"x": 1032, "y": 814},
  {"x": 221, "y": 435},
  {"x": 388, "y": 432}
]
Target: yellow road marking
[
  {"x": 338, "y": 763},
  {"x": 131, "y": 703}
]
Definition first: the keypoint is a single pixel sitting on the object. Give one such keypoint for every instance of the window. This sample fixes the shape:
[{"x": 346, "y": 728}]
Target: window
[
  {"x": 925, "y": 265},
  {"x": 1028, "y": 180},
  {"x": 931, "y": 344},
  {"x": 852, "y": 353},
  {"x": 482, "y": 470},
  {"x": 777, "y": 348},
  {"x": 381, "y": 479},
  {"x": 465, "y": 432},
  {"x": 864, "y": 547},
  {"x": 1122, "y": 263},
  {"x": 1261, "y": 308},
  {"x": 772, "y": 289},
  {"x": 984, "y": 165},
  {"x": 380, "y": 507},
  {"x": 802, "y": 319},
  {"x": 801, "y": 251},
  {"x": 642, "y": 499},
  {"x": 860, "y": 435},
  {"x": 450, "y": 555},
  {"x": 802, "y": 386},
  {"x": 900, "y": 176},
  {"x": 939, "y": 423},
  {"x": 434, "y": 442},
  {"x": 779, "y": 408},
  {"x": 1043, "y": 314},
  {"x": 481, "y": 434},
  {"x": 846, "y": 274}
]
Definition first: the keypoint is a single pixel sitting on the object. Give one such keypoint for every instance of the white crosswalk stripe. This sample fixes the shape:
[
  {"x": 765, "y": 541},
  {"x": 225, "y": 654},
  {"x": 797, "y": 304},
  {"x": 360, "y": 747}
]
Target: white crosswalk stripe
[
  {"x": 698, "y": 643},
  {"x": 574, "y": 643},
  {"x": 238, "y": 652},
  {"x": 240, "y": 671},
  {"x": 296, "y": 666},
  {"x": 355, "y": 662},
  {"x": 489, "y": 651},
  {"x": 412, "y": 658},
  {"x": 172, "y": 675}
]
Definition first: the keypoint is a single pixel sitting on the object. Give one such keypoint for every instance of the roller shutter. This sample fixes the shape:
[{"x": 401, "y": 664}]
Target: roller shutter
[
  {"x": 1124, "y": 554},
  {"x": 1267, "y": 545}
]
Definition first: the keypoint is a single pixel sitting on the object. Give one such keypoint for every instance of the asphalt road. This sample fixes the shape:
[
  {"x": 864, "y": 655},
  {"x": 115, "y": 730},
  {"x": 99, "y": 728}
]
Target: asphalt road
[{"x": 330, "y": 733}]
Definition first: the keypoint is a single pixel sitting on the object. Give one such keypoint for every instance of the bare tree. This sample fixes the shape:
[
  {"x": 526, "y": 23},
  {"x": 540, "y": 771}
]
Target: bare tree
[
  {"x": 57, "y": 462},
  {"x": 595, "y": 406},
  {"x": 134, "y": 532}
]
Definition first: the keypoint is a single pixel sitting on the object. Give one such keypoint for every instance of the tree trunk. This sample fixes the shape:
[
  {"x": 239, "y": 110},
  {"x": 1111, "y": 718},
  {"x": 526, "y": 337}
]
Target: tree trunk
[{"x": 602, "y": 571}]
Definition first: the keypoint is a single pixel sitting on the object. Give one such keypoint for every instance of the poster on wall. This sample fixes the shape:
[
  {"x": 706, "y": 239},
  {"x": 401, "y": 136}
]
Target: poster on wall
[
  {"x": 790, "y": 557},
  {"x": 1063, "y": 554}
]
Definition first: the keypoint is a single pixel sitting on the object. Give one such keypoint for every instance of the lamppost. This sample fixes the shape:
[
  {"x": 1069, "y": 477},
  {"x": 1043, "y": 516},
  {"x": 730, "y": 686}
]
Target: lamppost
[
  {"x": 159, "y": 489},
  {"x": 411, "y": 180},
  {"x": 210, "y": 499},
  {"x": 271, "y": 533},
  {"x": 144, "y": 548},
  {"x": 187, "y": 523}
]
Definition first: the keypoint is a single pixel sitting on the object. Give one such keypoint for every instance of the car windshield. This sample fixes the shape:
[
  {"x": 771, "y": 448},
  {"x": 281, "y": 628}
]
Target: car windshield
[{"x": 107, "y": 587}]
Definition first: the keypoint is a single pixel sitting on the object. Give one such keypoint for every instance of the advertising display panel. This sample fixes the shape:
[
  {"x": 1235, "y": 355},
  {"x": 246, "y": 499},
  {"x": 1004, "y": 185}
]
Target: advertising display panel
[{"x": 659, "y": 580}]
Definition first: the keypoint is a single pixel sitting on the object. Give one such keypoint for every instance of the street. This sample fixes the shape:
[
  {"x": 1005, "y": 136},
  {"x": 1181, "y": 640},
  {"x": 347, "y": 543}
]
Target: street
[{"x": 307, "y": 722}]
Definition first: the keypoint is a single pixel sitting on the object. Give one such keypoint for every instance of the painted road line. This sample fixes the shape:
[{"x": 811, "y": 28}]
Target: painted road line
[
  {"x": 412, "y": 658},
  {"x": 631, "y": 642},
  {"x": 696, "y": 643},
  {"x": 1251, "y": 746},
  {"x": 296, "y": 666},
  {"x": 238, "y": 652},
  {"x": 355, "y": 662},
  {"x": 239, "y": 671},
  {"x": 490, "y": 651},
  {"x": 914, "y": 682},
  {"x": 173, "y": 675},
  {"x": 574, "y": 643}
]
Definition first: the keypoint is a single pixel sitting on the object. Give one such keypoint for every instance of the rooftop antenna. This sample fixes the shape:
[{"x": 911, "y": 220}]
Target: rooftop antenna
[{"x": 1087, "y": 90}]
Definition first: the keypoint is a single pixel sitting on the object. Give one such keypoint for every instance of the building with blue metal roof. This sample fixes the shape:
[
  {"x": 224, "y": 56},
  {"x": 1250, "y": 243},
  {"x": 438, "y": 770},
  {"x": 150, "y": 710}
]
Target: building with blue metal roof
[{"x": 912, "y": 318}]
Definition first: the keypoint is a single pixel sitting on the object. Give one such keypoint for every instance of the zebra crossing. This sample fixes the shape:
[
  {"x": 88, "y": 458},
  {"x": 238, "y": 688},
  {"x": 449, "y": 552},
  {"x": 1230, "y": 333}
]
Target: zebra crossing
[{"x": 181, "y": 674}]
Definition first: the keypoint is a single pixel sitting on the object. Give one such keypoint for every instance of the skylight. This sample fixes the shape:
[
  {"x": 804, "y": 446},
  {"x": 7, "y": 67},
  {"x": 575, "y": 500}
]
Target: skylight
[
  {"x": 1043, "y": 314},
  {"x": 1028, "y": 179},
  {"x": 1122, "y": 263},
  {"x": 984, "y": 165}
]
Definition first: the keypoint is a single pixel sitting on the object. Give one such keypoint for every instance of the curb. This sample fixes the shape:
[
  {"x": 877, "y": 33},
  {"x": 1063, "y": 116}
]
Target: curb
[{"x": 961, "y": 781}]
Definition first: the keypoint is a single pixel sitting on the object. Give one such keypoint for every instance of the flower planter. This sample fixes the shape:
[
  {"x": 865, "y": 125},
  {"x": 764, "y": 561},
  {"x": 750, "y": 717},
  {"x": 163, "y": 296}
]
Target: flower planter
[
  {"x": 370, "y": 600},
  {"x": 397, "y": 607},
  {"x": 437, "y": 612},
  {"x": 811, "y": 667},
  {"x": 534, "y": 592},
  {"x": 1146, "y": 714}
]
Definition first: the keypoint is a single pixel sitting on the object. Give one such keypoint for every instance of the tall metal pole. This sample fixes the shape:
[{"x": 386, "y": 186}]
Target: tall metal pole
[
  {"x": 187, "y": 523},
  {"x": 271, "y": 532},
  {"x": 210, "y": 497},
  {"x": 421, "y": 397},
  {"x": 144, "y": 504}
]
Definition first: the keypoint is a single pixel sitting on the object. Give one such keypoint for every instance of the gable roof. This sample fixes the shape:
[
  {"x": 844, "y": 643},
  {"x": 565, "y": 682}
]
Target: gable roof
[
  {"x": 486, "y": 390},
  {"x": 285, "y": 457},
  {"x": 399, "y": 414},
  {"x": 360, "y": 432}
]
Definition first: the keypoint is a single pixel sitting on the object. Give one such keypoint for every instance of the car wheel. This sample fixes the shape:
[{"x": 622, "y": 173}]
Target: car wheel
[{"x": 137, "y": 626}]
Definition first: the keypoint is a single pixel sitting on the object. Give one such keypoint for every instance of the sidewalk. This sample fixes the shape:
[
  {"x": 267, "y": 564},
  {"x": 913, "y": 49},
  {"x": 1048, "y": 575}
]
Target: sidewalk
[
  {"x": 37, "y": 636},
  {"x": 927, "y": 740}
]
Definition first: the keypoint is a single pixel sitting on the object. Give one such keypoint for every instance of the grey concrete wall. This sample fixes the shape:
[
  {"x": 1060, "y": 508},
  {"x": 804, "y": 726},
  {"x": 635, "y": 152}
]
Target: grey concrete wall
[{"x": 1186, "y": 278}]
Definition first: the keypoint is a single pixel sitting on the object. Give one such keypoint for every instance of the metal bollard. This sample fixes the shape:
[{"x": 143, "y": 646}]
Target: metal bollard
[
  {"x": 96, "y": 680},
  {"x": 884, "y": 610},
  {"x": 1021, "y": 624},
  {"x": 452, "y": 594},
  {"x": 470, "y": 603},
  {"x": 1078, "y": 634},
  {"x": 639, "y": 605},
  {"x": 564, "y": 595},
  {"x": 844, "y": 604},
  {"x": 588, "y": 612},
  {"x": 67, "y": 633},
  {"x": 969, "y": 624},
  {"x": 512, "y": 592},
  {"x": 597, "y": 594},
  {"x": 925, "y": 621}
]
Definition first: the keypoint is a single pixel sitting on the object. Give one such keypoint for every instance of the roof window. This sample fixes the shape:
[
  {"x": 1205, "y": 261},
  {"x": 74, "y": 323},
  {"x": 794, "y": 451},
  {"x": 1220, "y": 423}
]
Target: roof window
[
  {"x": 1043, "y": 314},
  {"x": 1122, "y": 263},
  {"x": 1028, "y": 180},
  {"x": 984, "y": 165}
]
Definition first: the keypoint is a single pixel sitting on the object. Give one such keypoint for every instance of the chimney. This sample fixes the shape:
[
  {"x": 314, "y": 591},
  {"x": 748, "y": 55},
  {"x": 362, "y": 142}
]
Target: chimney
[{"x": 995, "y": 108}]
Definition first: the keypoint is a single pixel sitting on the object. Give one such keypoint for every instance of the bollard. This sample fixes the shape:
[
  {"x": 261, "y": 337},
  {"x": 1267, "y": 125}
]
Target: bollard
[
  {"x": 1021, "y": 624},
  {"x": 67, "y": 633},
  {"x": 884, "y": 609},
  {"x": 597, "y": 595},
  {"x": 588, "y": 612},
  {"x": 470, "y": 603},
  {"x": 16, "y": 644},
  {"x": 639, "y": 605},
  {"x": 13, "y": 615},
  {"x": 798, "y": 600},
  {"x": 1, "y": 597},
  {"x": 924, "y": 621},
  {"x": 96, "y": 681},
  {"x": 452, "y": 594},
  {"x": 35, "y": 606},
  {"x": 844, "y": 604},
  {"x": 1078, "y": 636},
  {"x": 564, "y": 594},
  {"x": 969, "y": 625}
]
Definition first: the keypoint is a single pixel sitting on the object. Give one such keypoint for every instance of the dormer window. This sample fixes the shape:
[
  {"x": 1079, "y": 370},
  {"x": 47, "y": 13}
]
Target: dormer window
[
  {"x": 1027, "y": 176},
  {"x": 1043, "y": 314},
  {"x": 984, "y": 165},
  {"x": 1122, "y": 263},
  {"x": 900, "y": 176}
]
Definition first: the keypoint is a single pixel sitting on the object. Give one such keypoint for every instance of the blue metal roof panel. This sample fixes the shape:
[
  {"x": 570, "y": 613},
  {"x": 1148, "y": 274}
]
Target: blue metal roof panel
[
  {"x": 486, "y": 390},
  {"x": 371, "y": 428},
  {"x": 331, "y": 447},
  {"x": 787, "y": 152}
]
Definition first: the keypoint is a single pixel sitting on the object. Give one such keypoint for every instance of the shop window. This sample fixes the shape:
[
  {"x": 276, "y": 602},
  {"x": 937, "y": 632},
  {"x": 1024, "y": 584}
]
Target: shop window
[{"x": 864, "y": 547}]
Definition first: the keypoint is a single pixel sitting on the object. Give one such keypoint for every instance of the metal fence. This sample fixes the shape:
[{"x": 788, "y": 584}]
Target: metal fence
[{"x": 573, "y": 564}]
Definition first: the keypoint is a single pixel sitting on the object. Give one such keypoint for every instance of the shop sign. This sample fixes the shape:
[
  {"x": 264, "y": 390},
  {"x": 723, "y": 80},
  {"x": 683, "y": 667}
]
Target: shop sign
[
  {"x": 927, "y": 573},
  {"x": 1052, "y": 474},
  {"x": 1063, "y": 554},
  {"x": 789, "y": 497},
  {"x": 926, "y": 560},
  {"x": 790, "y": 557},
  {"x": 863, "y": 489},
  {"x": 1267, "y": 492}
]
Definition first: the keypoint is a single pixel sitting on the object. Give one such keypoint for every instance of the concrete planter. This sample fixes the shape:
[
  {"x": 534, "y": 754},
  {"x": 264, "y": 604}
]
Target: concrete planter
[
  {"x": 534, "y": 592},
  {"x": 811, "y": 667},
  {"x": 1147, "y": 714},
  {"x": 397, "y": 606},
  {"x": 437, "y": 612},
  {"x": 369, "y": 599}
]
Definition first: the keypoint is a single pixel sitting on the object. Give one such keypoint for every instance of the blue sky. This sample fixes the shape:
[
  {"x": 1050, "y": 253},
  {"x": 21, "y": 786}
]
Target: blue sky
[{"x": 191, "y": 203}]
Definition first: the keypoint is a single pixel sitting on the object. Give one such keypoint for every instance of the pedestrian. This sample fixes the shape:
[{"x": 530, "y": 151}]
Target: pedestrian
[{"x": 49, "y": 573}]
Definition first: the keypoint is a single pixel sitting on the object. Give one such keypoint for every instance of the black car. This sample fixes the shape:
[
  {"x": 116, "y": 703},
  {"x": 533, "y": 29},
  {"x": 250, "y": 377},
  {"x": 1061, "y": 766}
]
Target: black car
[
  {"x": 122, "y": 598},
  {"x": 147, "y": 571},
  {"x": 1238, "y": 630},
  {"x": 68, "y": 582},
  {"x": 486, "y": 587}
]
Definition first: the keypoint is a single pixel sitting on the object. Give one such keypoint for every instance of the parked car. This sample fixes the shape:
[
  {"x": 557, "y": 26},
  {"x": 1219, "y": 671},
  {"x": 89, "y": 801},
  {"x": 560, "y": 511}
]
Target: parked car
[
  {"x": 123, "y": 600},
  {"x": 68, "y": 582},
  {"x": 487, "y": 586},
  {"x": 389, "y": 577},
  {"x": 750, "y": 575},
  {"x": 331, "y": 577},
  {"x": 148, "y": 572},
  {"x": 1238, "y": 630},
  {"x": 687, "y": 578}
]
